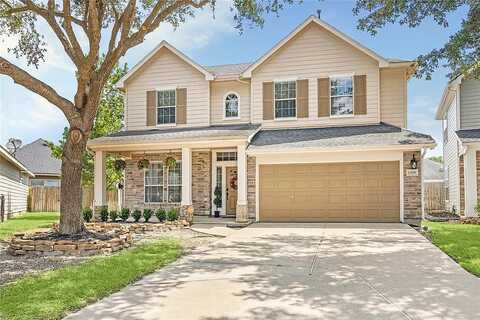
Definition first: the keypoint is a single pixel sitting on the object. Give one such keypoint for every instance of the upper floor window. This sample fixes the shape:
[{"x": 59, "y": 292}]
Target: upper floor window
[
  {"x": 166, "y": 106},
  {"x": 341, "y": 96},
  {"x": 285, "y": 99},
  {"x": 231, "y": 105}
]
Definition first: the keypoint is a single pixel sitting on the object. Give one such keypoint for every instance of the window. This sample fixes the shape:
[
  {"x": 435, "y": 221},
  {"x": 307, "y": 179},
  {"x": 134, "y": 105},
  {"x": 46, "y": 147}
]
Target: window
[
  {"x": 175, "y": 183},
  {"x": 226, "y": 156},
  {"x": 166, "y": 107},
  {"x": 285, "y": 99},
  {"x": 341, "y": 95},
  {"x": 154, "y": 183},
  {"x": 231, "y": 105},
  {"x": 219, "y": 177}
]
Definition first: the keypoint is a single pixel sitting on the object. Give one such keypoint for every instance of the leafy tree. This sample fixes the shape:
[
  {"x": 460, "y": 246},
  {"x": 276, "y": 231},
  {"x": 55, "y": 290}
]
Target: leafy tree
[
  {"x": 109, "y": 119},
  {"x": 120, "y": 25},
  {"x": 462, "y": 51}
]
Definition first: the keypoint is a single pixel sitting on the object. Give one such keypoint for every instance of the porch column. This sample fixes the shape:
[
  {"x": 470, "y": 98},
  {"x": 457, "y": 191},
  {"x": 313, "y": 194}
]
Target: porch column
[
  {"x": 470, "y": 174},
  {"x": 242, "y": 211},
  {"x": 187, "y": 208},
  {"x": 99, "y": 183}
]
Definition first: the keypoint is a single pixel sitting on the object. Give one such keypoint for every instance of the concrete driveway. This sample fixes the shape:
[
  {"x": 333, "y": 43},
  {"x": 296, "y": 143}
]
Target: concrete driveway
[{"x": 304, "y": 272}]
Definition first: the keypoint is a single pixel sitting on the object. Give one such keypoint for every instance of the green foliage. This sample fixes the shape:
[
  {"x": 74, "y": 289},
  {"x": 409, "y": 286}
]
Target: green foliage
[
  {"x": 461, "y": 52},
  {"x": 124, "y": 214},
  {"x": 87, "y": 214},
  {"x": 172, "y": 214},
  {"x": 217, "y": 201},
  {"x": 108, "y": 120},
  {"x": 136, "y": 215},
  {"x": 104, "y": 214},
  {"x": 113, "y": 215},
  {"x": 54, "y": 294},
  {"x": 477, "y": 208},
  {"x": 147, "y": 214},
  {"x": 161, "y": 215},
  {"x": 27, "y": 222},
  {"x": 438, "y": 159}
]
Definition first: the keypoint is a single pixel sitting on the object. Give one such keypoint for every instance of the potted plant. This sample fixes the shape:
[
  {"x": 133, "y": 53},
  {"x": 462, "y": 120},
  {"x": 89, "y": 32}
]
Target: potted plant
[
  {"x": 218, "y": 200},
  {"x": 143, "y": 164},
  {"x": 120, "y": 164}
]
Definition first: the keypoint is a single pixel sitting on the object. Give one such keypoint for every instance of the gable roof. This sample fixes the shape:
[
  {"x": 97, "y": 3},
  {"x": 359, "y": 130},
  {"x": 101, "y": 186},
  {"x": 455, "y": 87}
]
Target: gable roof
[
  {"x": 178, "y": 53},
  {"x": 7, "y": 156},
  {"x": 228, "y": 70},
  {"x": 313, "y": 19},
  {"x": 37, "y": 156},
  {"x": 447, "y": 96}
]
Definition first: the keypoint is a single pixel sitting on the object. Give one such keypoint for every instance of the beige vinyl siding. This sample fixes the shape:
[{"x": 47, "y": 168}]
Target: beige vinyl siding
[
  {"x": 393, "y": 97},
  {"x": 15, "y": 194},
  {"x": 218, "y": 91},
  {"x": 316, "y": 53},
  {"x": 451, "y": 156},
  {"x": 166, "y": 70},
  {"x": 470, "y": 104},
  {"x": 8, "y": 170}
]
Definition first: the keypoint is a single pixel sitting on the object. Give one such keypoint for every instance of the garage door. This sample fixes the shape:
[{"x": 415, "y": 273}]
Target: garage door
[{"x": 366, "y": 191}]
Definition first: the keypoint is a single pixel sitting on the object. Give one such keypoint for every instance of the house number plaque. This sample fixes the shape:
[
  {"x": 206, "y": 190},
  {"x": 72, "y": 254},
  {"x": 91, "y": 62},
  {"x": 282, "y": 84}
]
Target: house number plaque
[{"x": 412, "y": 172}]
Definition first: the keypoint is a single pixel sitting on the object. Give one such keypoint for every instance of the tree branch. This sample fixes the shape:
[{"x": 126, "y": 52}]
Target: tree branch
[{"x": 67, "y": 25}]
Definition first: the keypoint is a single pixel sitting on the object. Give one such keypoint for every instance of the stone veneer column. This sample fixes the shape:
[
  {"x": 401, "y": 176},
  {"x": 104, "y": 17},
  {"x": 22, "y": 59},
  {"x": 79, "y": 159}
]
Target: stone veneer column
[
  {"x": 99, "y": 184},
  {"x": 412, "y": 190},
  {"x": 202, "y": 182},
  {"x": 242, "y": 210}
]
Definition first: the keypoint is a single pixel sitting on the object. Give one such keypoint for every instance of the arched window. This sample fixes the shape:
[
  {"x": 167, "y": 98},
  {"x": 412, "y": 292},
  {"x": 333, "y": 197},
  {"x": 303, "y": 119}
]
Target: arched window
[{"x": 232, "y": 104}]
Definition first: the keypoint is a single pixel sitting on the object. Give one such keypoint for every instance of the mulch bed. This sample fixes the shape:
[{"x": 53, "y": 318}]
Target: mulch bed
[{"x": 442, "y": 216}]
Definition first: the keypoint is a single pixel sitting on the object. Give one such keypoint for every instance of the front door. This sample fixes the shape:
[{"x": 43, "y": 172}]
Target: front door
[{"x": 231, "y": 190}]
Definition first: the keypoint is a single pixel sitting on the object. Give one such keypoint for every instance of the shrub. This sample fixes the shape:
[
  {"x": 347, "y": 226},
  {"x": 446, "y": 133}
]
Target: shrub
[
  {"x": 147, "y": 214},
  {"x": 477, "y": 208},
  {"x": 136, "y": 215},
  {"x": 87, "y": 214},
  {"x": 124, "y": 214},
  {"x": 172, "y": 215},
  {"x": 161, "y": 215},
  {"x": 104, "y": 214},
  {"x": 113, "y": 215}
]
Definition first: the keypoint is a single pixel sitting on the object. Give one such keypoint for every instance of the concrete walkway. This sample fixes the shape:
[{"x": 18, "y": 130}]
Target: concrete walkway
[{"x": 304, "y": 272}]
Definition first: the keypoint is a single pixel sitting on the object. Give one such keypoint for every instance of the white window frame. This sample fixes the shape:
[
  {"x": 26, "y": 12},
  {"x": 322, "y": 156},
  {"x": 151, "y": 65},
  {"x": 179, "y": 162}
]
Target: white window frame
[
  {"x": 275, "y": 100},
  {"x": 156, "y": 185},
  {"x": 330, "y": 94},
  {"x": 167, "y": 191},
  {"x": 157, "y": 90},
  {"x": 225, "y": 106},
  {"x": 164, "y": 186}
]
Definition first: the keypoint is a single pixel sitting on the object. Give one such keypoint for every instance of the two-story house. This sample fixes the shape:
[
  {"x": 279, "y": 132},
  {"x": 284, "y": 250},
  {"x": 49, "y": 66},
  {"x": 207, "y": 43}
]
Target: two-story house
[
  {"x": 459, "y": 111},
  {"x": 314, "y": 130}
]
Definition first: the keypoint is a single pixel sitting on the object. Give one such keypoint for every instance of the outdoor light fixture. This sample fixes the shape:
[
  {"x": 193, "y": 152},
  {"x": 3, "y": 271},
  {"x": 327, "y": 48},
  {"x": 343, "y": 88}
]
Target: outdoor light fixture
[{"x": 413, "y": 163}]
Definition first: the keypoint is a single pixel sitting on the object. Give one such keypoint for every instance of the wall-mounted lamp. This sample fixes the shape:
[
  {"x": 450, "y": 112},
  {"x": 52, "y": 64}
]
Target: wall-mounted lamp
[{"x": 413, "y": 162}]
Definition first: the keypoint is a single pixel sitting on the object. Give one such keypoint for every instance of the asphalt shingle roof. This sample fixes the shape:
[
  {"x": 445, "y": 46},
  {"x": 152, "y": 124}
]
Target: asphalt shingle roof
[
  {"x": 432, "y": 170},
  {"x": 472, "y": 135},
  {"x": 227, "y": 69},
  {"x": 352, "y": 136},
  {"x": 37, "y": 157}
]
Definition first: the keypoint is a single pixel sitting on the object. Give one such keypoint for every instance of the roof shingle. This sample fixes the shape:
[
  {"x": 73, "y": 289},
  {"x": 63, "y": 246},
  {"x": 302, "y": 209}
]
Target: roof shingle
[{"x": 37, "y": 157}]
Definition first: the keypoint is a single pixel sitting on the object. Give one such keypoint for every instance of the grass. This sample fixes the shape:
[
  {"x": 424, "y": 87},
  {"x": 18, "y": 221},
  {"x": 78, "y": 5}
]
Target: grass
[
  {"x": 53, "y": 294},
  {"x": 459, "y": 241},
  {"x": 27, "y": 222}
]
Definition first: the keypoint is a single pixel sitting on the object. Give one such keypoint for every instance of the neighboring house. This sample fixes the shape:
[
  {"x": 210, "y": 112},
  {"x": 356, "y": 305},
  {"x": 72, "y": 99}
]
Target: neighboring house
[
  {"x": 459, "y": 111},
  {"x": 432, "y": 171},
  {"x": 13, "y": 184},
  {"x": 314, "y": 130},
  {"x": 37, "y": 156}
]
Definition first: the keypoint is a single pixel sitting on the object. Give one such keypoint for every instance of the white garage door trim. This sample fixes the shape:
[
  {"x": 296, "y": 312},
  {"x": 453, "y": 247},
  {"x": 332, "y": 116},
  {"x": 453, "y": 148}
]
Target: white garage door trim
[{"x": 327, "y": 157}]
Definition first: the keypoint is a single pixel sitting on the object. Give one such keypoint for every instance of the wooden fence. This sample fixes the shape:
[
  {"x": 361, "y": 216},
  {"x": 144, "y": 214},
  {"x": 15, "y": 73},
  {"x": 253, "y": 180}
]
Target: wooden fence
[
  {"x": 434, "y": 197},
  {"x": 47, "y": 199}
]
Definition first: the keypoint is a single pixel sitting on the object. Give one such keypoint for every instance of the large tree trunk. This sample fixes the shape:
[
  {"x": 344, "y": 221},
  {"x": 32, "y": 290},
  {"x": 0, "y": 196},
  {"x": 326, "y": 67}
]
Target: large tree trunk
[{"x": 71, "y": 220}]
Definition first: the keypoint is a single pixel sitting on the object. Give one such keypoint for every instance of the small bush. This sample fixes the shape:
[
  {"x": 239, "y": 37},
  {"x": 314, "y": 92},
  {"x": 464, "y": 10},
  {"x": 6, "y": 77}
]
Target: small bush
[
  {"x": 172, "y": 215},
  {"x": 124, "y": 214},
  {"x": 147, "y": 214},
  {"x": 136, "y": 215},
  {"x": 104, "y": 214},
  {"x": 113, "y": 215},
  {"x": 87, "y": 214},
  {"x": 161, "y": 215}
]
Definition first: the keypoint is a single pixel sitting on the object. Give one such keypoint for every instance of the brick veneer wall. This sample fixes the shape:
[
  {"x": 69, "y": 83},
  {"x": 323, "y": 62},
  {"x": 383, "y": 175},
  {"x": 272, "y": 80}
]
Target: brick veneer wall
[
  {"x": 201, "y": 182},
  {"x": 412, "y": 190},
  {"x": 461, "y": 167},
  {"x": 251, "y": 186}
]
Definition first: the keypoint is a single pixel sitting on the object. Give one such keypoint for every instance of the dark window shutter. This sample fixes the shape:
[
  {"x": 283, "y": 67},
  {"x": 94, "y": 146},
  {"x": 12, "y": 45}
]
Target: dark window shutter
[
  {"x": 302, "y": 98},
  {"x": 323, "y": 91},
  {"x": 181, "y": 106},
  {"x": 360, "y": 94},
  {"x": 268, "y": 101},
  {"x": 151, "y": 108}
]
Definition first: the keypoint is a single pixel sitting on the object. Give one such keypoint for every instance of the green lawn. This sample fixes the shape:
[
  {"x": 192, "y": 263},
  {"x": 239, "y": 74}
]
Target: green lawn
[
  {"x": 459, "y": 241},
  {"x": 27, "y": 222},
  {"x": 51, "y": 295}
]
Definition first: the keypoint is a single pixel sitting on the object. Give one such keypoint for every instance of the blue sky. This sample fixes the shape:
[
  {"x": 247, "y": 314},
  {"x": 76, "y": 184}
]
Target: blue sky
[{"x": 215, "y": 41}]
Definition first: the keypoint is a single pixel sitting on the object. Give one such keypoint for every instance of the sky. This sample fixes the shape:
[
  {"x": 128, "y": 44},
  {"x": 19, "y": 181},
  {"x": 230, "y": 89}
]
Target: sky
[{"x": 211, "y": 39}]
